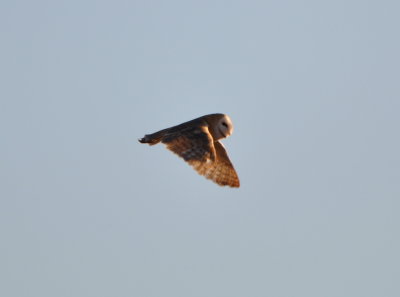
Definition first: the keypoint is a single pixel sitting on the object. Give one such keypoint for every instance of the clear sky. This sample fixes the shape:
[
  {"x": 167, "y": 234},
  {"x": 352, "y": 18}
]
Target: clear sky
[{"x": 313, "y": 90}]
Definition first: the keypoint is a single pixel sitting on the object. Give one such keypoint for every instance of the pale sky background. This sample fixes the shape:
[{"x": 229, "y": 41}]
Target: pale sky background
[{"x": 313, "y": 89}]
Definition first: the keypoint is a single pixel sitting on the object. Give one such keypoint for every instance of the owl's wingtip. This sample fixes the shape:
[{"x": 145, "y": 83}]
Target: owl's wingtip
[
  {"x": 150, "y": 139},
  {"x": 234, "y": 185}
]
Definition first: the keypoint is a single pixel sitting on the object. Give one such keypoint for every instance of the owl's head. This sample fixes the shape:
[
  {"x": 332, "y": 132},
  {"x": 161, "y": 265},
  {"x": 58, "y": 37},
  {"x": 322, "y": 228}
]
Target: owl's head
[{"x": 223, "y": 127}]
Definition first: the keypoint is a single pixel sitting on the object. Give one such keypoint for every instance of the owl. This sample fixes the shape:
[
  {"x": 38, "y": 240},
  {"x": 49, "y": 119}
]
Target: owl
[{"x": 197, "y": 142}]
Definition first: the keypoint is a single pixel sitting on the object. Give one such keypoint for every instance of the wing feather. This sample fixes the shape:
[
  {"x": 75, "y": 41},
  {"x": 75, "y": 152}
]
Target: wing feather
[
  {"x": 196, "y": 146},
  {"x": 223, "y": 172},
  {"x": 191, "y": 143}
]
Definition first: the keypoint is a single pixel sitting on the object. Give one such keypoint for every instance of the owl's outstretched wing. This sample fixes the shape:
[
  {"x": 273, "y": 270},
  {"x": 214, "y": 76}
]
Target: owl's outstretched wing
[
  {"x": 197, "y": 147},
  {"x": 192, "y": 143},
  {"x": 223, "y": 172}
]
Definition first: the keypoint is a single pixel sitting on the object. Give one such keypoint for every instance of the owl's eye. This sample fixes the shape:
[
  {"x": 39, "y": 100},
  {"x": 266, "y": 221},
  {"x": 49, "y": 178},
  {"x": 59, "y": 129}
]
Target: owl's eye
[{"x": 225, "y": 124}]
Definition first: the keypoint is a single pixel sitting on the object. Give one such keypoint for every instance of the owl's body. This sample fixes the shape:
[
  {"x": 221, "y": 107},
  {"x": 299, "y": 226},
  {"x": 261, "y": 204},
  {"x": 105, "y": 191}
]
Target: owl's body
[{"x": 196, "y": 141}]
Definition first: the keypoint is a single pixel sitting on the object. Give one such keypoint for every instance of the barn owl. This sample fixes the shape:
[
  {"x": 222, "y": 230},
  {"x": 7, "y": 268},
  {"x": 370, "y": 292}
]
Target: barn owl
[{"x": 197, "y": 142}]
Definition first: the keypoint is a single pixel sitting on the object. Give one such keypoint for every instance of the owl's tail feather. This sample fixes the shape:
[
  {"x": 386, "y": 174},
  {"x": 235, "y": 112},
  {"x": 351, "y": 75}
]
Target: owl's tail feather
[{"x": 154, "y": 138}]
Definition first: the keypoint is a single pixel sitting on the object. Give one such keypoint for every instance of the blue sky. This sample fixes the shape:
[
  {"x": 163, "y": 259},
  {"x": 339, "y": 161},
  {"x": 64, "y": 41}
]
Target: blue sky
[{"x": 313, "y": 91}]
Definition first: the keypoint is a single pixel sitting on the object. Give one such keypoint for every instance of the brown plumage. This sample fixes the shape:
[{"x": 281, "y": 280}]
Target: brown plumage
[{"x": 197, "y": 143}]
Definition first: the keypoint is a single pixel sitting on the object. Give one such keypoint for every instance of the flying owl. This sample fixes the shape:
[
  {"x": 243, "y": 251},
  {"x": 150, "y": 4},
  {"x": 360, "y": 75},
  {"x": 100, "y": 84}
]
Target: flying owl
[{"x": 197, "y": 142}]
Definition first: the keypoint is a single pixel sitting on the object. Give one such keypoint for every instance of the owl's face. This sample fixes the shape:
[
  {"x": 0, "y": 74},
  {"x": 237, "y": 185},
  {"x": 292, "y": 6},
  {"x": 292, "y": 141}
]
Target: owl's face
[{"x": 224, "y": 128}]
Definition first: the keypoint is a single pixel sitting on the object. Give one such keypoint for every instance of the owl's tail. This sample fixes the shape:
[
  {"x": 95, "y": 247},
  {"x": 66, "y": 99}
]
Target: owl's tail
[{"x": 154, "y": 138}]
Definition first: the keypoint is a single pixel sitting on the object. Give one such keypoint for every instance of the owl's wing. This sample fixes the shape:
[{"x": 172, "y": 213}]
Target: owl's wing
[
  {"x": 192, "y": 143},
  {"x": 196, "y": 146},
  {"x": 221, "y": 170}
]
